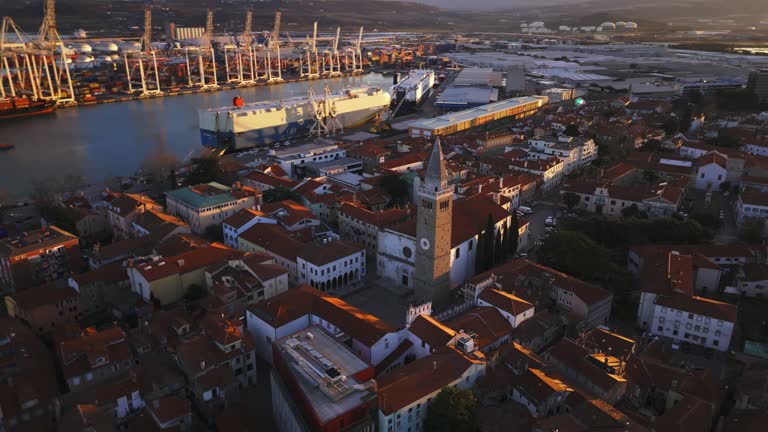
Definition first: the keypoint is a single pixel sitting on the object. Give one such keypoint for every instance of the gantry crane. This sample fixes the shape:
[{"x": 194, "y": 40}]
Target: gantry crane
[
  {"x": 47, "y": 63},
  {"x": 357, "y": 56},
  {"x": 203, "y": 59},
  {"x": 141, "y": 65}
]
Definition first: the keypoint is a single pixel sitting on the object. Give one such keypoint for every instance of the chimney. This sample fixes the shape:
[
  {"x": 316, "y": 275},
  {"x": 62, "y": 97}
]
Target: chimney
[
  {"x": 501, "y": 182},
  {"x": 434, "y": 365},
  {"x": 180, "y": 263},
  {"x": 202, "y": 365}
]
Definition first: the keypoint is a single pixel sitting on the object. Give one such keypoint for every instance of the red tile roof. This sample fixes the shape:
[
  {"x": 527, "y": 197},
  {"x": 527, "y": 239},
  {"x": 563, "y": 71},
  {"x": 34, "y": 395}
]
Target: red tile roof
[
  {"x": 188, "y": 261},
  {"x": 303, "y": 300},
  {"x": 321, "y": 254},
  {"x": 484, "y": 321},
  {"x": 574, "y": 357},
  {"x": 700, "y": 306},
  {"x": 170, "y": 408},
  {"x": 505, "y": 301},
  {"x": 408, "y": 159},
  {"x": 257, "y": 177},
  {"x": 288, "y": 212},
  {"x": 242, "y": 217},
  {"x": 378, "y": 219},
  {"x": 431, "y": 331},
  {"x": 48, "y": 294},
  {"x": 469, "y": 215},
  {"x": 274, "y": 239}
]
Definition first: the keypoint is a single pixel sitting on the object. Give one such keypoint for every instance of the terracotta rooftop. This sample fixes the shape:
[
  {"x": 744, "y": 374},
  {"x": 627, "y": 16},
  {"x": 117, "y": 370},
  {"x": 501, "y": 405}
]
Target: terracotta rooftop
[
  {"x": 753, "y": 196},
  {"x": 537, "y": 387},
  {"x": 303, "y": 300},
  {"x": 288, "y": 212},
  {"x": 169, "y": 408},
  {"x": 431, "y": 331},
  {"x": 321, "y": 254},
  {"x": 608, "y": 342},
  {"x": 484, "y": 321},
  {"x": 48, "y": 294},
  {"x": 700, "y": 306},
  {"x": 419, "y": 378},
  {"x": 274, "y": 239},
  {"x": 574, "y": 357},
  {"x": 378, "y": 219},
  {"x": 187, "y": 262},
  {"x": 269, "y": 180},
  {"x": 755, "y": 272},
  {"x": 505, "y": 301},
  {"x": 242, "y": 217}
]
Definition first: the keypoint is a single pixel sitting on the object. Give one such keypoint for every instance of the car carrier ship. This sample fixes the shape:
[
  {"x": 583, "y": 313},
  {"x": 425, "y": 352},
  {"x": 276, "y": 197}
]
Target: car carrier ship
[
  {"x": 246, "y": 125},
  {"x": 414, "y": 87}
]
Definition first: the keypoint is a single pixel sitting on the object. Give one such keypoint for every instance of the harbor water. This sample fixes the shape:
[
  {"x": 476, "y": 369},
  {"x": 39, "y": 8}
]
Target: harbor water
[{"x": 102, "y": 141}]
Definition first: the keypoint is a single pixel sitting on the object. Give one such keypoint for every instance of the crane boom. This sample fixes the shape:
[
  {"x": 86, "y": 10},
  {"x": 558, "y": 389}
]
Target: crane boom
[
  {"x": 209, "y": 28},
  {"x": 314, "y": 37},
  {"x": 146, "y": 38},
  {"x": 359, "y": 40},
  {"x": 273, "y": 38},
  {"x": 336, "y": 41},
  {"x": 247, "y": 30}
]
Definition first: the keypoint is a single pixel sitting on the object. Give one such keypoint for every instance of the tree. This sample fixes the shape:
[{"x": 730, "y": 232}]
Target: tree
[
  {"x": 498, "y": 252},
  {"x": 633, "y": 212},
  {"x": 214, "y": 233},
  {"x": 453, "y": 410},
  {"x": 650, "y": 177},
  {"x": 279, "y": 193},
  {"x": 505, "y": 240},
  {"x": 205, "y": 170},
  {"x": 396, "y": 187},
  {"x": 479, "y": 251},
  {"x": 572, "y": 130},
  {"x": 570, "y": 200},
  {"x": 489, "y": 243},
  {"x": 752, "y": 230},
  {"x": 172, "y": 180},
  {"x": 195, "y": 292},
  {"x": 514, "y": 234}
]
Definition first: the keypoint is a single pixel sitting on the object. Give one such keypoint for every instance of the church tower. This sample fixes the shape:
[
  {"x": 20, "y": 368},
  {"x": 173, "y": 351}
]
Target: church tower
[{"x": 432, "y": 278}]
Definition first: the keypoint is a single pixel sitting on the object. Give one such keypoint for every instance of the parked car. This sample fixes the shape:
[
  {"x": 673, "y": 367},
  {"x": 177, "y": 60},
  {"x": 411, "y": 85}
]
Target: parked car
[
  {"x": 525, "y": 210},
  {"x": 550, "y": 221}
]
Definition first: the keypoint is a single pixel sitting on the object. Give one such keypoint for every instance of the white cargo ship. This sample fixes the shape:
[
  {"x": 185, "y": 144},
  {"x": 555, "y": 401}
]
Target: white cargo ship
[
  {"x": 414, "y": 87},
  {"x": 262, "y": 123}
]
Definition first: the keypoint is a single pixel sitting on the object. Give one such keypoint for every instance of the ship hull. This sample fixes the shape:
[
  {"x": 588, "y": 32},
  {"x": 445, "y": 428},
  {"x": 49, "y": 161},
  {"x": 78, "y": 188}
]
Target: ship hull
[
  {"x": 34, "y": 109},
  {"x": 274, "y": 134},
  {"x": 262, "y": 124}
]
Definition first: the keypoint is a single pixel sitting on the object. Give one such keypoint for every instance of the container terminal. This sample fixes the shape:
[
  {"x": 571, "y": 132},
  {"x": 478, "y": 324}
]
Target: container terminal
[{"x": 49, "y": 69}]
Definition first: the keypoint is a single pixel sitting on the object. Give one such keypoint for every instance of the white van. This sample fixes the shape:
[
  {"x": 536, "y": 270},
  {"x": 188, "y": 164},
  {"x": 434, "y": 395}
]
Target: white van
[{"x": 525, "y": 210}]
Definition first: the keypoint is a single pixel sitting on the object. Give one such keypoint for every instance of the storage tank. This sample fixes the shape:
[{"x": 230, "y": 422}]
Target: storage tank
[
  {"x": 130, "y": 46},
  {"x": 83, "y": 48},
  {"x": 631, "y": 25},
  {"x": 608, "y": 26},
  {"x": 105, "y": 47}
]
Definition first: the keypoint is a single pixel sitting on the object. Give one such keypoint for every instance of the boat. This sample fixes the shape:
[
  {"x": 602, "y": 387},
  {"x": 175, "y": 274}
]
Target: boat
[
  {"x": 414, "y": 87},
  {"x": 6, "y": 147},
  {"x": 24, "y": 107},
  {"x": 256, "y": 124}
]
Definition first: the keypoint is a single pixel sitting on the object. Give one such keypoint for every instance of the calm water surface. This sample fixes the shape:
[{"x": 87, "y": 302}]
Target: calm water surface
[{"x": 102, "y": 141}]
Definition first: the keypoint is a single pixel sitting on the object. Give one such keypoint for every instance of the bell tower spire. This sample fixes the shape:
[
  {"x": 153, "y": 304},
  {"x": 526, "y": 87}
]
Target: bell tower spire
[{"x": 432, "y": 277}]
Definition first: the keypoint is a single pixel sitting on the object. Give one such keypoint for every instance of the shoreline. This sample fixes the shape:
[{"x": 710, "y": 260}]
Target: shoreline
[{"x": 195, "y": 90}]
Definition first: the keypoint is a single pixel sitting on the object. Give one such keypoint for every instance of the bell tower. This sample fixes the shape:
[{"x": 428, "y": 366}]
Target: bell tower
[{"x": 432, "y": 278}]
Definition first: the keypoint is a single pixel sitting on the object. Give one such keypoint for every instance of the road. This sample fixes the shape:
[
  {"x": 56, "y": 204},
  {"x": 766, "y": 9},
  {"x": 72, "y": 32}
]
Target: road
[{"x": 541, "y": 210}]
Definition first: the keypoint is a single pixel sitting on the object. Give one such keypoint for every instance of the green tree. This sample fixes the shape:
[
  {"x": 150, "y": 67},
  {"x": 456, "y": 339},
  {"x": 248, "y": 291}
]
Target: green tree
[
  {"x": 396, "y": 187},
  {"x": 479, "y": 252},
  {"x": 279, "y": 193},
  {"x": 649, "y": 176},
  {"x": 498, "y": 252},
  {"x": 570, "y": 200},
  {"x": 752, "y": 230},
  {"x": 195, "y": 292},
  {"x": 453, "y": 410},
  {"x": 633, "y": 212},
  {"x": 572, "y": 130},
  {"x": 489, "y": 243},
  {"x": 505, "y": 240},
  {"x": 172, "y": 180},
  {"x": 514, "y": 234}
]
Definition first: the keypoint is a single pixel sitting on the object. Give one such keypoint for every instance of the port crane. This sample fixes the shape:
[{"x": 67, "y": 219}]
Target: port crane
[
  {"x": 239, "y": 60},
  {"x": 312, "y": 62},
  {"x": 141, "y": 65},
  {"x": 274, "y": 75},
  {"x": 324, "y": 112},
  {"x": 335, "y": 59},
  {"x": 50, "y": 61},
  {"x": 203, "y": 58},
  {"x": 357, "y": 55}
]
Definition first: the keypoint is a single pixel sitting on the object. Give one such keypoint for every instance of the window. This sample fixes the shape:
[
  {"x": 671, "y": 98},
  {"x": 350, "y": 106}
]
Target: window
[
  {"x": 660, "y": 328},
  {"x": 715, "y": 342},
  {"x": 719, "y": 323},
  {"x": 470, "y": 245},
  {"x": 674, "y": 332},
  {"x": 458, "y": 253},
  {"x": 690, "y": 316}
]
